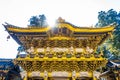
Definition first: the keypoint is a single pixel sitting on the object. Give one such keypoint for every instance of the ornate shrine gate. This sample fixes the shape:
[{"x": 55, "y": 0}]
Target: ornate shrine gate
[{"x": 61, "y": 52}]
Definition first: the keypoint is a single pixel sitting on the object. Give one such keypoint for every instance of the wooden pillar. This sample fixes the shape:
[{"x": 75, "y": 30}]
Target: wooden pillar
[
  {"x": 45, "y": 78},
  {"x": 74, "y": 75},
  {"x": 45, "y": 75},
  {"x": 25, "y": 78},
  {"x": 0, "y": 77},
  {"x": 73, "y": 78},
  {"x": 25, "y": 74},
  {"x": 68, "y": 79},
  {"x": 93, "y": 76}
]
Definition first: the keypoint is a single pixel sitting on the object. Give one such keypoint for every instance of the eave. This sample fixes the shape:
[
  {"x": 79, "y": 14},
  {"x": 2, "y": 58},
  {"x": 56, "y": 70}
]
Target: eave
[
  {"x": 92, "y": 29},
  {"x": 108, "y": 28}
]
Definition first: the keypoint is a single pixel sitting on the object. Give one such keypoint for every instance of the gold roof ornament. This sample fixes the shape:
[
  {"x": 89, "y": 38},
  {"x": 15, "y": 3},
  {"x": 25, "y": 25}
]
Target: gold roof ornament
[{"x": 59, "y": 20}]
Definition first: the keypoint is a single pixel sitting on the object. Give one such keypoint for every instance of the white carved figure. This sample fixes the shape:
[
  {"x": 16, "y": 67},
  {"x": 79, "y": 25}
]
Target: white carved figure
[
  {"x": 40, "y": 50},
  {"x": 57, "y": 49},
  {"x": 48, "y": 49},
  {"x": 35, "y": 73},
  {"x": 31, "y": 50},
  {"x": 71, "y": 49},
  {"x": 79, "y": 50},
  {"x": 23, "y": 74},
  {"x": 60, "y": 74},
  {"x": 45, "y": 73},
  {"x": 89, "y": 50},
  {"x": 73, "y": 73}
]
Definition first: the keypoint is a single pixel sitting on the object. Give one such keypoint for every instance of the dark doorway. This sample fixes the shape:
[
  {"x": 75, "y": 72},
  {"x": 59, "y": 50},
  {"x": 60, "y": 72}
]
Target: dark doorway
[{"x": 84, "y": 78}]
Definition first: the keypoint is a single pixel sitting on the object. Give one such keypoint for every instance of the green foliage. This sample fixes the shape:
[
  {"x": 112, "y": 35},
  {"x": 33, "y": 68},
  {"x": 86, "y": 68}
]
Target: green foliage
[
  {"x": 38, "y": 21},
  {"x": 107, "y": 18}
]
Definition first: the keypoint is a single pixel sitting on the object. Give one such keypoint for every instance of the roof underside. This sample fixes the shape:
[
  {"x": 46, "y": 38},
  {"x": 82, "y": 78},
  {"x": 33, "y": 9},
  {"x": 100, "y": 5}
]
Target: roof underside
[{"x": 61, "y": 31}]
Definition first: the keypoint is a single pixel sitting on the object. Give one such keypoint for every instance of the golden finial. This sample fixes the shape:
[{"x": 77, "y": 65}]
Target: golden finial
[{"x": 60, "y": 20}]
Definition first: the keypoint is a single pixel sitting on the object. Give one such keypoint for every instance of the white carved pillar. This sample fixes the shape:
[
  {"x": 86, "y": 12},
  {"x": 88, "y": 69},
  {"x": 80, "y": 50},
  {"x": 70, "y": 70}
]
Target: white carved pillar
[
  {"x": 45, "y": 75},
  {"x": 74, "y": 75}
]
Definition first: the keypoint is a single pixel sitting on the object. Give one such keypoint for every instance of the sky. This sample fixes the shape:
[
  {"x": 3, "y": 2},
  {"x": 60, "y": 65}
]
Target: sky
[{"x": 77, "y": 12}]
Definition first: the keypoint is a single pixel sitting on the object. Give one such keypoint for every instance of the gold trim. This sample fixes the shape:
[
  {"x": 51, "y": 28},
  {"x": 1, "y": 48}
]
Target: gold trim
[
  {"x": 60, "y": 38},
  {"x": 86, "y": 29},
  {"x": 61, "y": 59},
  {"x": 61, "y": 25},
  {"x": 28, "y": 29}
]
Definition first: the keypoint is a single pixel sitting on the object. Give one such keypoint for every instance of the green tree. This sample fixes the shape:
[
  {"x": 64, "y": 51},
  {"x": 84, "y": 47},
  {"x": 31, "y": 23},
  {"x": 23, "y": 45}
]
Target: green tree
[
  {"x": 113, "y": 45},
  {"x": 38, "y": 21}
]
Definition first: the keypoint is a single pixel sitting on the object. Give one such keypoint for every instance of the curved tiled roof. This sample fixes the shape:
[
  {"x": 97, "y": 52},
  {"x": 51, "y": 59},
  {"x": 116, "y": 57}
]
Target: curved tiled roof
[{"x": 11, "y": 28}]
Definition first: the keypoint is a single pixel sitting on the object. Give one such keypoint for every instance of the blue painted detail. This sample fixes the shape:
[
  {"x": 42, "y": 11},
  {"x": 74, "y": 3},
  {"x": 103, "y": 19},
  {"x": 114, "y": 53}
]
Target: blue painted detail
[
  {"x": 6, "y": 64},
  {"x": 111, "y": 65},
  {"x": 20, "y": 49}
]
